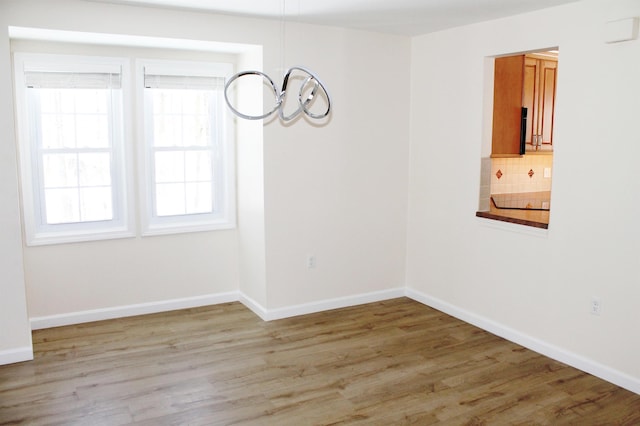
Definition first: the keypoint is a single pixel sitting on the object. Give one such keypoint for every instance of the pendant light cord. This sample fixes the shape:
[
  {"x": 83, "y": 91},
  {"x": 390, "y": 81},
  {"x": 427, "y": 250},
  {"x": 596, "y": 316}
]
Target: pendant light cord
[
  {"x": 283, "y": 34},
  {"x": 309, "y": 89}
]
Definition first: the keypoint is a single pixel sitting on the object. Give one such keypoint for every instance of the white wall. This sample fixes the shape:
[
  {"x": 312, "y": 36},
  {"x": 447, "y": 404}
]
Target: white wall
[
  {"x": 250, "y": 174},
  {"x": 71, "y": 278},
  {"x": 337, "y": 190},
  {"x": 534, "y": 287},
  {"x": 15, "y": 337}
]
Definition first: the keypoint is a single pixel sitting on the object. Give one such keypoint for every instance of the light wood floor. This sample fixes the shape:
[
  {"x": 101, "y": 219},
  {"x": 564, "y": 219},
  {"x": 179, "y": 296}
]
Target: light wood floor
[{"x": 388, "y": 363}]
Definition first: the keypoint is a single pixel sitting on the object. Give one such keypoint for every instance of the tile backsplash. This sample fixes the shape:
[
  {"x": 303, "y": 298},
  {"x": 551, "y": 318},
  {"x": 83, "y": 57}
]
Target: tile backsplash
[
  {"x": 509, "y": 175},
  {"x": 530, "y": 173}
]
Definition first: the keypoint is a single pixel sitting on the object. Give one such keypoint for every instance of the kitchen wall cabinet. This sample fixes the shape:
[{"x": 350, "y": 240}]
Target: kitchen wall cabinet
[
  {"x": 523, "y": 81},
  {"x": 538, "y": 96}
]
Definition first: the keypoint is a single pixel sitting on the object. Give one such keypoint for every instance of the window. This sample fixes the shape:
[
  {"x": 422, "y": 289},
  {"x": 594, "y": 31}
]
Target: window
[
  {"x": 78, "y": 132},
  {"x": 187, "y": 155},
  {"x": 70, "y": 125}
]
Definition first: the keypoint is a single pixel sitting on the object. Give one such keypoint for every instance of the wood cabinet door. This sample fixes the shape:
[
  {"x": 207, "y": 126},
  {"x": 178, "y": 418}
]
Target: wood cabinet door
[
  {"x": 530, "y": 97},
  {"x": 547, "y": 100},
  {"x": 507, "y": 103},
  {"x": 539, "y": 96}
]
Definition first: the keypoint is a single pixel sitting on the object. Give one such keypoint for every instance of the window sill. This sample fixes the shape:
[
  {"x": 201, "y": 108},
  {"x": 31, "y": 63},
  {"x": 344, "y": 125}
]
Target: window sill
[
  {"x": 51, "y": 238},
  {"x": 153, "y": 230}
]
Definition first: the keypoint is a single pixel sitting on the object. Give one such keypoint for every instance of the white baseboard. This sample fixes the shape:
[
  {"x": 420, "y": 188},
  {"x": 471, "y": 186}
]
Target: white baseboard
[
  {"x": 11, "y": 356},
  {"x": 323, "y": 305},
  {"x": 575, "y": 360},
  {"x": 254, "y": 306},
  {"x": 210, "y": 299},
  {"x": 131, "y": 310}
]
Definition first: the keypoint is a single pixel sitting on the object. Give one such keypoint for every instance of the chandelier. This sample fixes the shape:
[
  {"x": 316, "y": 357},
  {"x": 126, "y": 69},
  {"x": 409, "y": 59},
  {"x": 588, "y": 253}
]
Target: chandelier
[
  {"x": 310, "y": 89},
  {"x": 307, "y": 94}
]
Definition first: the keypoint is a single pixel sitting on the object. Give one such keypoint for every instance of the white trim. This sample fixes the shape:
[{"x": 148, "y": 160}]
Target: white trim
[
  {"x": 70, "y": 318},
  {"x": 10, "y": 356},
  {"x": 253, "y": 306},
  {"x": 49, "y": 238},
  {"x": 323, "y": 305},
  {"x": 554, "y": 352}
]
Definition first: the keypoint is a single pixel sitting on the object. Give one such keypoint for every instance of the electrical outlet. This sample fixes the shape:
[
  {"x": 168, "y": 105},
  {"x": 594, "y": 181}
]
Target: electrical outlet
[
  {"x": 311, "y": 261},
  {"x": 547, "y": 172},
  {"x": 596, "y": 306}
]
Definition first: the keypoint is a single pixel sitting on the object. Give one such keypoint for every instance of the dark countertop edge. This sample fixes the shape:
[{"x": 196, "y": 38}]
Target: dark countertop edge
[{"x": 489, "y": 215}]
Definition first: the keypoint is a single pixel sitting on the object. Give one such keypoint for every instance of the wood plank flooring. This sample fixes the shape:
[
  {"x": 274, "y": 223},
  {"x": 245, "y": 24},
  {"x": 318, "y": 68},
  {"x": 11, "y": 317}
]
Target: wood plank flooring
[{"x": 389, "y": 363}]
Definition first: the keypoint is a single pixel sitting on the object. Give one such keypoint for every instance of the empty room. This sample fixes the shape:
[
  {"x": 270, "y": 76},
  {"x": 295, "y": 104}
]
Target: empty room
[{"x": 289, "y": 212}]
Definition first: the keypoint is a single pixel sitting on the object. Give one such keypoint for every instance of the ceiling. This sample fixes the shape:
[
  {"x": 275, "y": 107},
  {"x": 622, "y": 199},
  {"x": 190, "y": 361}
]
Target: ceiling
[{"x": 407, "y": 17}]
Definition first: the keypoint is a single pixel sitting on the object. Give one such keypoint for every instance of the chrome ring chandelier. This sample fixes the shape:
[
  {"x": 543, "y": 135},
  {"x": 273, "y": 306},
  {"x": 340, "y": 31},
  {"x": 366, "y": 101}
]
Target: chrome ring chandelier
[{"x": 310, "y": 85}]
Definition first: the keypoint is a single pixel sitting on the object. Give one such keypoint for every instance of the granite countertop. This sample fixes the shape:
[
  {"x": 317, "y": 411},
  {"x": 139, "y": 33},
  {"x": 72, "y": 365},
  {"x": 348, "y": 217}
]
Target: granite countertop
[{"x": 527, "y": 208}]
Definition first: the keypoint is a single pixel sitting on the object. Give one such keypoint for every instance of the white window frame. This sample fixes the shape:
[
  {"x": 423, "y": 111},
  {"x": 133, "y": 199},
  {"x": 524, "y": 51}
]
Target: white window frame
[
  {"x": 37, "y": 232},
  {"x": 223, "y": 217}
]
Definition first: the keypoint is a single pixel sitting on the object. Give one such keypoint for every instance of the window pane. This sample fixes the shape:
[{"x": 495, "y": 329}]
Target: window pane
[
  {"x": 196, "y": 130},
  {"x": 57, "y": 101},
  {"x": 62, "y": 206},
  {"x": 96, "y": 204},
  {"x": 169, "y": 166},
  {"x": 60, "y": 170},
  {"x": 166, "y": 102},
  {"x": 91, "y": 101},
  {"x": 181, "y": 117},
  {"x": 199, "y": 198},
  {"x": 194, "y": 102},
  {"x": 58, "y": 131},
  {"x": 76, "y": 118},
  {"x": 167, "y": 130},
  {"x": 92, "y": 131},
  {"x": 170, "y": 199},
  {"x": 198, "y": 166},
  {"x": 94, "y": 169}
]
